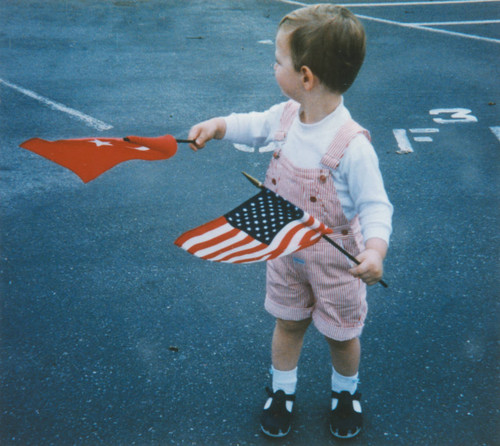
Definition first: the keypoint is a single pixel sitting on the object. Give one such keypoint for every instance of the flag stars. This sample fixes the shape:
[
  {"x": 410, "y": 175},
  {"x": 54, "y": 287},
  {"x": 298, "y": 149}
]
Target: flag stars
[{"x": 263, "y": 216}]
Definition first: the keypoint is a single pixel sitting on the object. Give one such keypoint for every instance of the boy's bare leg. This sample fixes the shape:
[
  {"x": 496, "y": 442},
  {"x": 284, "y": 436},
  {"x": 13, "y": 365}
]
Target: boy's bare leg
[
  {"x": 345, "y": 355},
  {"x": 287, "y": 343}
]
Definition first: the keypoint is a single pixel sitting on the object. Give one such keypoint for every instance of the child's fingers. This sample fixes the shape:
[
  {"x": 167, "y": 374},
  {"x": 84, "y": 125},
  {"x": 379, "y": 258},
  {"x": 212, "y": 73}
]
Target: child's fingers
[
  {"x": 195, "y": 134},
  {"x": 357, "y": 271},
  {"x": 366, "y": 273},
  {"x": 367, "y": 278}
]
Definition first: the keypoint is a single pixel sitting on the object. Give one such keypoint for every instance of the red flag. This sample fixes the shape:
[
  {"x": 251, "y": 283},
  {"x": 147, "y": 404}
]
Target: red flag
[
  {"x": 263, "y": 228},
  {"x": 90, "y": 157}
]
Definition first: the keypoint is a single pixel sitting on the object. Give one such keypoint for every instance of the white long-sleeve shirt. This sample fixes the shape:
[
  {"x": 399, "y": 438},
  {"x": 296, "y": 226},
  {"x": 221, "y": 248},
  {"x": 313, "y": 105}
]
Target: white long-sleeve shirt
[{"x": 357, "y": 179}]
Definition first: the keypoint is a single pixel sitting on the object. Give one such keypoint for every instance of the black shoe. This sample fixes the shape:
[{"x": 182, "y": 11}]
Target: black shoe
[
  {"x": 276, "y": 418},
  {"x": 346, "y": 419}
]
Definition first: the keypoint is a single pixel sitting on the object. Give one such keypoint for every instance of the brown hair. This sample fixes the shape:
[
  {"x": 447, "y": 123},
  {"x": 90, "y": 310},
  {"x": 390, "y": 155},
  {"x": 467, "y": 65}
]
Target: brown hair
[{"x": 329, "y": 40}]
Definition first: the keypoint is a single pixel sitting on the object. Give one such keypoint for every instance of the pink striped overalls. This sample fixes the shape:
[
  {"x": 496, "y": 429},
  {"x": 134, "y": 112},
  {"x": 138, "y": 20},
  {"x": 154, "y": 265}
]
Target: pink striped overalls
[{"x": 315, "y": 282}]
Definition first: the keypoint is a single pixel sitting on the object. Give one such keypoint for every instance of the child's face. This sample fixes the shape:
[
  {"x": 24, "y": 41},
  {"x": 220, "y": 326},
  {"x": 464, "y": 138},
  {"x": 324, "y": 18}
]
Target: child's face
[{"x": 288, "y": 79}]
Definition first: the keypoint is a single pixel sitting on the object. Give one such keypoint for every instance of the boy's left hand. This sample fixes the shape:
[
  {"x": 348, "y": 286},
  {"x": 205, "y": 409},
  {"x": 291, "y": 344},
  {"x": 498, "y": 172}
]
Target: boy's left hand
[{"x": 371, "y": 267}]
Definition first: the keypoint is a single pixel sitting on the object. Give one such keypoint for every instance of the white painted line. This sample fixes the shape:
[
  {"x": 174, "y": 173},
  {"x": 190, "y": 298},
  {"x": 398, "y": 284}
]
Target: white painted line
[
  {"x": 291, "y": 2},
  {"x": 269, "y": 148},
  {"x": 424, "y": 130},
  {"x": 411, "y": 25},
  {"x": 404, "y": 143},
  {"x": 464, "y": 22},
  {"x": 425, "y": 28},
  {"x": 496, "y": 132},
  {"x": 423, "y": 139},
  {"x": 244, "y": 148},
  {"x": 89, "y": 120},
  {"x": 418, "y": 3},
  {"x": 456, "y": 34}
]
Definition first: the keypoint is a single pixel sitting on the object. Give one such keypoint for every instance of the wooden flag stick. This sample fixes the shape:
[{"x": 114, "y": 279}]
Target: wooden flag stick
[
  {"x": 258, "y": 184},
  {"x": 253, "y": 180}
]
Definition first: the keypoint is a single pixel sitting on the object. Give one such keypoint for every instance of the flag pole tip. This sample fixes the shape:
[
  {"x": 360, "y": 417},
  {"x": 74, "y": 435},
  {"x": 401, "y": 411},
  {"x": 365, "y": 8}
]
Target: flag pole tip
[{"x": 253, "y": 180}]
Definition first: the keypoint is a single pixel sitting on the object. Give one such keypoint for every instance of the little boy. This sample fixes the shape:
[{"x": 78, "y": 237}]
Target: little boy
[{"x": 324, "y": 163}]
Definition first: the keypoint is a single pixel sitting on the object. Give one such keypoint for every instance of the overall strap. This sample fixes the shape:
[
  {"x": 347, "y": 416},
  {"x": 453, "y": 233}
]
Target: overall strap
[
  {"x": 341, "y": 141},
  {"x": 287, "y": 117}
]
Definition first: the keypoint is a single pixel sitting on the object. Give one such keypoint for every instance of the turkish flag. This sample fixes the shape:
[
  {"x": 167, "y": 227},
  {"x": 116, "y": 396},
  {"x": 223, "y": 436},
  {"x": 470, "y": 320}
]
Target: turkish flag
[{"x": 90, "y": 157}]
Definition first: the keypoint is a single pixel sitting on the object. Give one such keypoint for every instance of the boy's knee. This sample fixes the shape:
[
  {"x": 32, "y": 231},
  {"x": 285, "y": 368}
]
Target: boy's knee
[
  {"x": 342, "y": 345},
  {"x": 293, "y": 326}
]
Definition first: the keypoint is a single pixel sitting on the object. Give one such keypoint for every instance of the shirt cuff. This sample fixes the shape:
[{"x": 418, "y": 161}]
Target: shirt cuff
[
  {"x": 377, "y": 232},
  {"x": 230, "y": 125}
]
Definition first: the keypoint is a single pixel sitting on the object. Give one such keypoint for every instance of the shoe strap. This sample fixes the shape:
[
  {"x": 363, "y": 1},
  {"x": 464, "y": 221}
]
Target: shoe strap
[
  {"x": 356, "y": 396},
  {"x": 286, "y": 397}
]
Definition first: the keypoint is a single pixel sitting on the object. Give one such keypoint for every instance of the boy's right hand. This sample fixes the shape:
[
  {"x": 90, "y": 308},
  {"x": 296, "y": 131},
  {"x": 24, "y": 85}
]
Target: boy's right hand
[{"x": 205, "y": 131}]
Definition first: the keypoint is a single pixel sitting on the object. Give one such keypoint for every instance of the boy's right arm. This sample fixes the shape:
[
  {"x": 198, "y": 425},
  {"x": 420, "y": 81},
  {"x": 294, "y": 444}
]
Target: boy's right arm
[{"x": 205, "y": 131}]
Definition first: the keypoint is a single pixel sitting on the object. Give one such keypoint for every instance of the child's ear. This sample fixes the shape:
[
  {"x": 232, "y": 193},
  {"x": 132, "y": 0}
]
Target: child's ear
[{"x": 308, "y": 78}]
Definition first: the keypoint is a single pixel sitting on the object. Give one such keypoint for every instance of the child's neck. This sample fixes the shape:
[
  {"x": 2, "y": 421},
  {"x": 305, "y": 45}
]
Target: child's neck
[{"x": 317, "y": 105}]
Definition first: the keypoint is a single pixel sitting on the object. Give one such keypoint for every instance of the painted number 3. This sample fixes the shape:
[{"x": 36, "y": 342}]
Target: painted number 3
[{"x": 457, "y": 115}]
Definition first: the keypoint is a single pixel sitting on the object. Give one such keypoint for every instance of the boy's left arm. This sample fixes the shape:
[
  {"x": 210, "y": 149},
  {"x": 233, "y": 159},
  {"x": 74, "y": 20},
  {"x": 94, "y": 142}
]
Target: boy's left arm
[
  {"x": 371, "y": 268},
  {"x": 367, "y": 191}
]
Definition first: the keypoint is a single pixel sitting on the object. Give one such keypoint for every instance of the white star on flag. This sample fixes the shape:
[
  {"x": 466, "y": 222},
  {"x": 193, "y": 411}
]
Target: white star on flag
[{"x": 100, "y": 143}]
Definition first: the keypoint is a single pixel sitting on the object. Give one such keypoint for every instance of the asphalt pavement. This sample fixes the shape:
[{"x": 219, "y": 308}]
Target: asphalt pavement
[{"x": 112, "y": 335}]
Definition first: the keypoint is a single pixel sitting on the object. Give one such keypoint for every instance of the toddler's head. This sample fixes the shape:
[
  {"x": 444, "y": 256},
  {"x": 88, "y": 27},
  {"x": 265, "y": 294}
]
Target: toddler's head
[{"x": 329, "y": 40}]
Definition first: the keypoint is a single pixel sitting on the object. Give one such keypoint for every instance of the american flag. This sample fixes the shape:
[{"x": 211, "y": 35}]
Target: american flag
[{"x": 263, "y": 228}]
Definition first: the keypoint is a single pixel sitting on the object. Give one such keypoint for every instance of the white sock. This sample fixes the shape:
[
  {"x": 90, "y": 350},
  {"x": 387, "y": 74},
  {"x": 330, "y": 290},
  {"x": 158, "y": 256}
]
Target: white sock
[
  {"x": 341, "y": 383},
  {"x": 284, "y": 380}
]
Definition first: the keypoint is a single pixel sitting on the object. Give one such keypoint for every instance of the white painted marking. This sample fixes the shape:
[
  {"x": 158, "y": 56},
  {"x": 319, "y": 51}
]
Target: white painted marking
[
  {"x": 463, "y": 22},
  {"x": 458, "y": 115},
  {"x": 424, "y": 130},
  {"x": 421, "y": 3},
  {"x": 496, "y": 132},
  {"x": 244, "y": 148},
  {"x": 266, "y": 42},
  {"x": 89, "y": 120},
  {"x": 423, "y": 138},
  {"x": 425, "y": 28},
  {"x": 291, "y": 2},
  {"x": 412, "y": 25},
  {"x": 404, "y": 143},
  {"x": 269, "y": 148}
]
